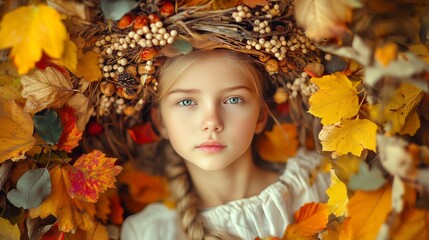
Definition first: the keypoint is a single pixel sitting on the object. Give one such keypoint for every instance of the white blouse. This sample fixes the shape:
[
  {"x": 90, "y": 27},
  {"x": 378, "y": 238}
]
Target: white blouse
[{"x": 266, "y": 214}]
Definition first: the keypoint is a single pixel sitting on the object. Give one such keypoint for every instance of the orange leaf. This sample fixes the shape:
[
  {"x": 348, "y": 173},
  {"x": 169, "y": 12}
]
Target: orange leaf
[
  {"x": 279, "y": 144},
  {"x": 71, "y": 135},
  {"x": 144, "y": 133},
  {"x": 143, "y": 188},
  {"x": 368, "y": 211},
  {"x": 254, "y": 3},
  {"x": 91, "y": 174},
  {"x": 71, "y": 214},
  {"x": 310, "y": 219},
  {"x": 414, "y": 224}
]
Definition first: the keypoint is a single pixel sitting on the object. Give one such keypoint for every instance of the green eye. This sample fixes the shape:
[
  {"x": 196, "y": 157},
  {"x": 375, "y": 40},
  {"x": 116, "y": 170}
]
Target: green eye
[
  {"x": 234, "y": 100},
  {"x": 186, "y": 102}
]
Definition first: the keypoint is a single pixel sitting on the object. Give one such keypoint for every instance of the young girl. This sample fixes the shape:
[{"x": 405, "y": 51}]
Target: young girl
[{"x": 210, "y": 104}]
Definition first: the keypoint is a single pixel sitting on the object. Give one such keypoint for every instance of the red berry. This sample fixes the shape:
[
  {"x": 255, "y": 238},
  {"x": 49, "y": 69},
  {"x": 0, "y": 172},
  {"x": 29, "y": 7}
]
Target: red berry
[
  {"x": 167, "y": 9},
  {"x": 94, "y": 128}
]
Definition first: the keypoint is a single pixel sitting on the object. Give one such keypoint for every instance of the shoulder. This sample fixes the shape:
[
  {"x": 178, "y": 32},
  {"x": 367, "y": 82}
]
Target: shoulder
[{"x": 155, "y": 221}]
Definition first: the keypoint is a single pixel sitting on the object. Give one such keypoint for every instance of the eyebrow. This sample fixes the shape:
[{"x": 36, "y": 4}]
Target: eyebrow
[{"x": 194, "y": 91}]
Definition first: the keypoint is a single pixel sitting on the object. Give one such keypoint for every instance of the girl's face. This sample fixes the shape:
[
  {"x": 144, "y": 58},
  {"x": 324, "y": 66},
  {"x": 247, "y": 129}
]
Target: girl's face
[{"x": 211, "y": 113}]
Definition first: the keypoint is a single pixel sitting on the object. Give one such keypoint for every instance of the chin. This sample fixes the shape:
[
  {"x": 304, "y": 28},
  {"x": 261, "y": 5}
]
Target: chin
[{"x": 211, "y": 164}]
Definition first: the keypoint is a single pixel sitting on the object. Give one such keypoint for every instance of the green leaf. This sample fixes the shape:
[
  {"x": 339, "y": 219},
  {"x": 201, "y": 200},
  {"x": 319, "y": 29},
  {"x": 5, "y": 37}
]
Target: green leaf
[
  {"x": 32, "y": 188},
  {"x": 115, "y": 9},
  {"x": 48, "y": 126},
  {"x": 182, "y": 45},
  {"x": 366, "y": 180}
]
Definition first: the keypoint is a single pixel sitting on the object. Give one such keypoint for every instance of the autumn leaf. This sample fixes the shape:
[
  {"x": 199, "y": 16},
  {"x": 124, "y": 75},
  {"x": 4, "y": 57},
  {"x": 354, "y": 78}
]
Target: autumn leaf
[
  {"x": 337, "y": 193},
  {"x": 16, "y": 136},
  {"x": 69, "y": 57},
  {"x": 387, "y": 53},
  {"x": 254, "y": 3},
  {"x": 146, "y": 190},
  {"x": 96, "y": 232},
  {"x": 143, "y": 133},
  {"x": 278, "y": 144},
  {"x": 10, "y": 83},
  {"x": 346, "y": 166},
  {"x": 71, "y": 135},
  {"x": 8, "y": 231},
  {"x": 44, "y": 89},
  {"x": 368, "y": 211},
  {"x": 414, "y": 224},
  {"x": 87, "y": 67},
  {"x": 349, "y": 136},
  {"x": 338, "y": 231},
  {"x": 83, "y": 108},
  {"x": 92, "y": 174},
  {"x": 29, "y": 31},
  {"x": 335, "y": 100},
  {"x": 396, "y": 112},
  {"x": 310, "y": 219},
  {"x": 324, "y": 18},
  {"x": 71, "y": 213}
]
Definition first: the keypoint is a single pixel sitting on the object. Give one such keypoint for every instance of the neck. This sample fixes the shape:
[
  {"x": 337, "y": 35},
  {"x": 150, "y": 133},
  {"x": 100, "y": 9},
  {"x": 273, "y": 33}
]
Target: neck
[{"x": 241, "y": 179}]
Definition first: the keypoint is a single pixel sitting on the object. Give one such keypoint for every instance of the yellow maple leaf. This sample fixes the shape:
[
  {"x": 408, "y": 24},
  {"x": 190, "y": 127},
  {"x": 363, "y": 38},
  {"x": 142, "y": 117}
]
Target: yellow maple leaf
[
  {"x": 346, "y": 166},
  {"x": 87, "y": 67},
  {"x": 92, "y": 174},
  {"x": 400, "y": 108},
  {"x": 368, "y": 211},
  {"x": 335, "y": 100},
  {"x": 310, "y": 219},
  {"x": 31, "y": 30},
  {"x": 16, "y": 136},
  {"x": 324, "y": 18},
  {"x": 71, "y": 213},
  {"x": 8, "y": 231},
  {"x": 337, "y": 193},
  {"x": 69, "y": 57},
  {"x": 349, "y": 136},
  {"x": 278, "y": 144},
  {"x": 44, "y": 89}
]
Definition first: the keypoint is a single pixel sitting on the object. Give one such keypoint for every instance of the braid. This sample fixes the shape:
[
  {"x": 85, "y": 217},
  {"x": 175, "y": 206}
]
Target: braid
[{"x": 187, "y": 202}]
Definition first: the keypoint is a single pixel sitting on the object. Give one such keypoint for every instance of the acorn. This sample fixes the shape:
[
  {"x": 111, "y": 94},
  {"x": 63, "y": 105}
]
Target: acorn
[
  {"x": 272, "y": 66},
  {"x": 153, "y": 18},
  {"x": 132, "y": 70},
  {"x": 126, "y": 21},
  {"x": 140, "y": 21},
  {"x": 167, "y": 9},
  {"x": 107, "y": 88},
  {"x": 129, "y": 110},
  {"x": 148, "y": 53}
]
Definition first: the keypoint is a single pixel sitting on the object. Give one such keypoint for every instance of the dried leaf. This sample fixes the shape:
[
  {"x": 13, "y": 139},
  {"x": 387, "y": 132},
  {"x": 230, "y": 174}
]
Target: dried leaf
[
  {"x": 71, "y": 213},
  {"x": 71, "y": 135},
  {"x": 335, "y": 100},
  {"x": 338, "y": 198},
  {"x": 395, "y": 112},
  {"x": 367, "y": 180},
  {"x": 346, "y": 166},
  {"x": 309, "y": 220},
  {"x": 48, "y": 126},
  {"x": 278, "y": 144},
  {"x": 254, "y": 3},
  {"x": 4, "y": 172},
  {"x": 92, "y": 174},
  {"x": 44, "y": 89},
  {"x": 10, "y": 83},
  {"x": 16, "y": 136},
  {"x": 32, "y": 188},
  {"x": 349, "y": 136},
  {"x": 394, "y": 157},
  {"x": 8, "y": 231},
  {"x": 31, "y": 30},
  {"x": 359, "y": 51},
  {"x": 70, "y": 8},
  {"x": 368, "y": 211},
  {"x": 324, "y": 18},
  {"x": 87, "y": 67},
  {"x": 83, "y": 108}
]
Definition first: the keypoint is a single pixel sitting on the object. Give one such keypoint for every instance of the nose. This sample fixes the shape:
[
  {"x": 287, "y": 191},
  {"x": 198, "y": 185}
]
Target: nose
[{"x": 212, "y": 121}]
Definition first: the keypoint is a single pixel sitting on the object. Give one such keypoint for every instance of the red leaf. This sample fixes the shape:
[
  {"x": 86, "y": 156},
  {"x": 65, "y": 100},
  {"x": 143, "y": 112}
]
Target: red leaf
[
  {"x": 92, "y": 174},
  {"x": 71, "y": 135},
  {"x": 142, "y": 134}
]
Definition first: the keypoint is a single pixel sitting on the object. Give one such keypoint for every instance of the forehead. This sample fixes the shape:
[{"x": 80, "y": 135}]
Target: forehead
[{"x": 214, "y": 72}]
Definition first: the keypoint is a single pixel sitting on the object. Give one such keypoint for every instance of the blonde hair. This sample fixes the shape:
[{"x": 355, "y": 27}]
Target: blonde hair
[{"x": 187, "y": 202}]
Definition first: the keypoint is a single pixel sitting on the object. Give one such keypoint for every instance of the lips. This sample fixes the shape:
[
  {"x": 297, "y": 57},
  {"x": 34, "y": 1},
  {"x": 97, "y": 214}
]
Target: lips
[{"x": 211, "y": 146}]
